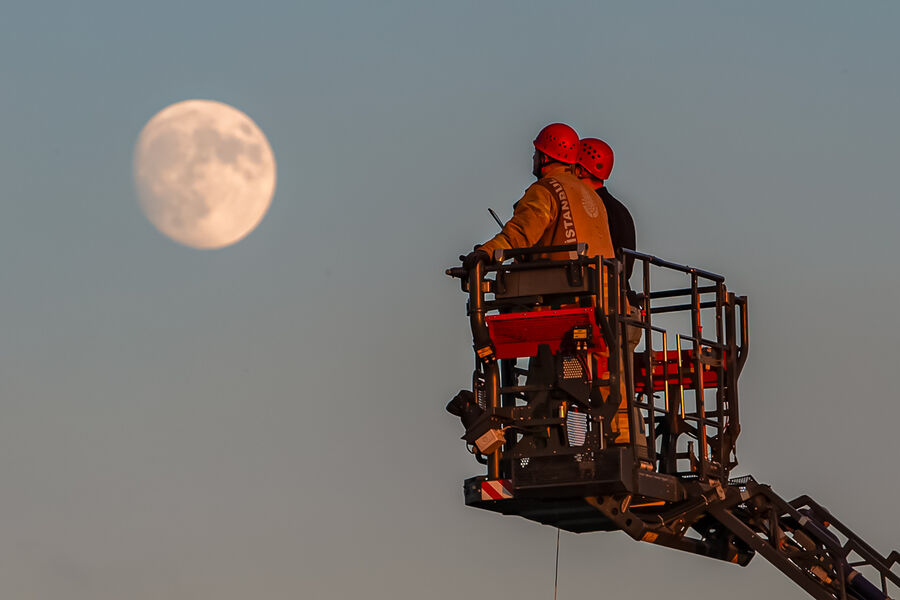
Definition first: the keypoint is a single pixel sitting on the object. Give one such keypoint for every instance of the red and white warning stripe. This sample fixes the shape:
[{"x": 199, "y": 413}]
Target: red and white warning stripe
[{"x": 498, "y": 489}]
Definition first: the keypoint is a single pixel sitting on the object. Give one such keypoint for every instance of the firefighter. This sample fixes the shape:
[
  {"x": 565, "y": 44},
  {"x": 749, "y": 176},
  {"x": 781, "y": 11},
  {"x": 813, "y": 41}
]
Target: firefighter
[
  {"x": 593, "y": 166},
  {"x": 559, "y": 208}
]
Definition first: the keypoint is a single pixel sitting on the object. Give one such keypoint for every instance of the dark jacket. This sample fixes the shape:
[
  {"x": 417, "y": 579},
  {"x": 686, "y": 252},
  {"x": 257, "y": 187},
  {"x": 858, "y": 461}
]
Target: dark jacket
[{"x": 621, "y": 226}]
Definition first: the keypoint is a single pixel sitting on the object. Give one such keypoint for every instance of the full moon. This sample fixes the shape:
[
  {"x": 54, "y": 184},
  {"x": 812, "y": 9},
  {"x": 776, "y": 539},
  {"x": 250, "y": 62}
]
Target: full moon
[{"x": 204, "y": 173}]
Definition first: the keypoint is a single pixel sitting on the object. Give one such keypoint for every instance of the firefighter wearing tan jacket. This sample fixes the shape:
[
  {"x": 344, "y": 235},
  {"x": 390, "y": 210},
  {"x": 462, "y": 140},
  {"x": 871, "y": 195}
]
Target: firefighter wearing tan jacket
[{"x": 557, "y": 209}]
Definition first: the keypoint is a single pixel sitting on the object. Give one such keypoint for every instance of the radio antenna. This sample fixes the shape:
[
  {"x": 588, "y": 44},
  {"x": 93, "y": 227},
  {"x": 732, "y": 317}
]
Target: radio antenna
[{"x": 496, "y": 218}]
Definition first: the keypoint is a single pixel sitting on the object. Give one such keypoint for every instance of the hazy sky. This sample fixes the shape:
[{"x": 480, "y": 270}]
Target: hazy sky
[{"x": 266, "y": 421}]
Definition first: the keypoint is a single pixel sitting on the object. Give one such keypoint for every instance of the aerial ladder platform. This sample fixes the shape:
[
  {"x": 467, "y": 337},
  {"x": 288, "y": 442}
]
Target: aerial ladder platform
[{"x": 598, "y": 407}]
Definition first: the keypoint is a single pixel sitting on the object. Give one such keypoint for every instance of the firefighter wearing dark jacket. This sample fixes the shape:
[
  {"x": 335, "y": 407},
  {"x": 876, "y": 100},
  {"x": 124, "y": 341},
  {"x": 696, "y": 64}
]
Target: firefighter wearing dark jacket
[
  {"x": 557, "y": 209},
  {"x": 593, "y": 166}
]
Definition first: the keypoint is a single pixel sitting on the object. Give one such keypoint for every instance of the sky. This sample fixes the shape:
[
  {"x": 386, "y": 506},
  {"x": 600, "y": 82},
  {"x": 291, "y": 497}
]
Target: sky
[{"x": 266, "y": 420}]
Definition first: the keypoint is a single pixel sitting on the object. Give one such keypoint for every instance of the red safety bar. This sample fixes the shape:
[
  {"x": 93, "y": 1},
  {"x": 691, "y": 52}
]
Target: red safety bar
[{"x": 688, "y": 368}]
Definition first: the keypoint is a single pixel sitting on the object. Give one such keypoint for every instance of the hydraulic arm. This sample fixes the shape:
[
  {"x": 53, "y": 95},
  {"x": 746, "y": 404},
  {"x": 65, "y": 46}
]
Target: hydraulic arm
[{"x": 745, "y": 518}]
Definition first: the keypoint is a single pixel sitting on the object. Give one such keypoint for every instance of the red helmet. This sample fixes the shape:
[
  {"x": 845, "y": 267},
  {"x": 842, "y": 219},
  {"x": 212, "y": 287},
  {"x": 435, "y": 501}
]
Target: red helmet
[
  {"x": 596, "y": 156},
  {"x": 559, "y": 142}
]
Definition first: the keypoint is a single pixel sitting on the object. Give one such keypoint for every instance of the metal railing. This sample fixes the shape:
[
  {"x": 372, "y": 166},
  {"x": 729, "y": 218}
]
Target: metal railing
[
  {"x": 690, "y": 415},
  {"x": 724, "y": 353}
]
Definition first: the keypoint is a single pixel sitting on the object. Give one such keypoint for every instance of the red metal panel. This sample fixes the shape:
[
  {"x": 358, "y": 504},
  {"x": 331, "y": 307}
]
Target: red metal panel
[{"x": 517, "y": 335}]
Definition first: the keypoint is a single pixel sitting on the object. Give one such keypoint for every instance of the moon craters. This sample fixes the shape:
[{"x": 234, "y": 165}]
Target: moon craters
[{"x": 204, "y": 173}]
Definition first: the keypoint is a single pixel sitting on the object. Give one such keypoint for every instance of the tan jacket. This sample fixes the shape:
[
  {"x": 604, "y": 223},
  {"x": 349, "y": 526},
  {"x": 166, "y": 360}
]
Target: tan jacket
[{"x": 541, "y": 219}]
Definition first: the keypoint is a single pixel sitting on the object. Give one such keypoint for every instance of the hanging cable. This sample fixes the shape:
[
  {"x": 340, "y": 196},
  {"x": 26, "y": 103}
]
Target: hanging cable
[{"x": 556, "y": 574}]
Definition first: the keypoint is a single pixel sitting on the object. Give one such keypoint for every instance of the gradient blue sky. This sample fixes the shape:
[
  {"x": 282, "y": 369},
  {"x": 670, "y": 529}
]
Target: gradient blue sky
[{"x": 266, "y": 421}]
